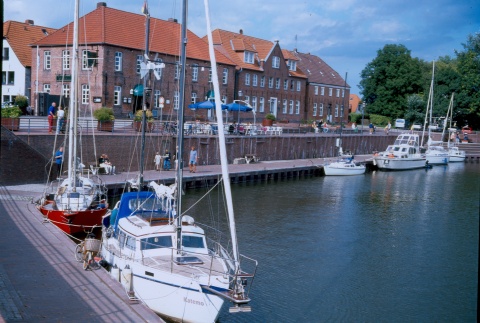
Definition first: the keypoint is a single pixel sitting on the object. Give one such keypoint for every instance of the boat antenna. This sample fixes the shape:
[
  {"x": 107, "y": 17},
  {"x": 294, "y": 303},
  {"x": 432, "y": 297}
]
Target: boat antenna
[
  {"x": 181, "y": 103},
  {"x": 145, "y": 79}
]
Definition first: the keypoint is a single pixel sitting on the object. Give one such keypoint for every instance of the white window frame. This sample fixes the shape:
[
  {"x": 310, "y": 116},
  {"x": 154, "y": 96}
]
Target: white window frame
[
  {"x": 46, "y": 88},
  {"x": 176, "y": 100},
  {"x": 117, "y": 95},
  {"x": 270, "y": 82},
  {"x": 156, "y": 98},
  {"x": 85, "y": 66},
  {"x": 277, "y": 83},
  {"x": 195, "y": 73},
  {"x": 66, "y": 90},
  {"x": 320, "y": 109},
  {"x": 330, "y": 91},
  {"x": 262, "y": 81},
  {"x": 118, "y": 61},
  {"x": 247, "y": 78},
  {"x": 85, "y": 94},
  {"x": 262, "y": 104},
  {"x": 65, "y": 60},
  {"x": 314, "y": 113},
  {"x": 209, "y": 75},
  {"x": 138, "y": 66},
  {"x": 47, "y": 60},
  {"x": 285, "y": 84},
  {"x": 316, "y": 90},
  {"x": 338, "y": 93},
  {"x": 322, "y": 90},
  {"x": 276, "y": 62},
  {"x": 291, "y": 107},
  {"x": 177, "y": 71},
  {"x": 336, "y": 110},
  {"x": 292, "y": 65},
  {"x": 285, "y": 105},
  {"x": 225, "y": 76},
  {"x": 254, "y": 80},
  {"x": 299, "y": 86},
  {"x": 254, "y": 103},
  {"x": 248, "y": 57}
]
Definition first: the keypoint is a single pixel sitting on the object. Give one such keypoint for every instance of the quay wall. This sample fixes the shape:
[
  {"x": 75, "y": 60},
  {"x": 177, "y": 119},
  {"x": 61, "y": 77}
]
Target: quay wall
[{"x": 25, "y": 158}]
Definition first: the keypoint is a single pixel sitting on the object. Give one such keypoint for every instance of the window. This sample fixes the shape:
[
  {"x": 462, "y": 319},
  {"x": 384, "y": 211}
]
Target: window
[
  {"x": 65, "y": 60},
  {"x": 341, "y": 111},
  {"x": 47, "y": 60},
  {"x": 224, "y": 99},
  {"x": 85, "y": 93},
  {"x": 316, "y": 90},
  {"x": 117, "y": 95},
  {"x": 297, "y": 107},
  {"x": 277, "y": 83},
  {"x": 262, "y": 81},
  {"x": 247, "y": 99},
  {"x": 320, "y": 111},
  {"x": 255, "y": 80},
  {"x": 118, "y": 61},
  {"x": 46, "y": 88},
  {"x": 177, "y": 70},
  {"x": 292, "y": 65},
  {"x": 262, "y": 104},
  {"x": 338, "y": 93},
  {"x": 176, "y": 98},
  {"x": 292, "y": 84},
  {"x": 130, "y": 243},
  {"x": 156, "y": 98},
  {"x": 276, "y": 62},
  {"x": 156, "y": 242},
  {"x": 314, "y": 109},
  {"x": 248, "y": 57},
  {"x": 66, "y": 90},
  {"x": 285, "y": 85},
  {"x": 85, "y": 60},
  {"x": 343, "y": 93},
  {"x": 209, "y": 75},
  {"x": 270, "y": 82},
  {"x": 192, "y": 242},
  {"x": 291, "y": 107},
  {"x": 285, "y": 104},
  {"x": 254, "y": 103},
  {"x": 6, "y": 53},
  {"x": 247, "y": 78},
  {"x": 299, "y": 86},
  {"x": 195, "y": 73},
  {"x": 139, "y": 60},
  {"x": 225, "y": 76},
  {"x": 322, "y": 90},
  {"x": 330, "y": 91},
  {"x": 8, "y": 78}
]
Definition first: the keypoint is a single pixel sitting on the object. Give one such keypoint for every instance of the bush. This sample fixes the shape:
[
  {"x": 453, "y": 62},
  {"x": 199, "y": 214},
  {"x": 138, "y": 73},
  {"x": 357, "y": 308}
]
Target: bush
[
  {"x": 104, "y": 114},
  {"x": 379, "y": 120},
  {"x": 21, "y": 101},
  {"x": 139, "y": 113},
  {"x": 270, "y": 116},
  {"x": 11, "y": 112}
]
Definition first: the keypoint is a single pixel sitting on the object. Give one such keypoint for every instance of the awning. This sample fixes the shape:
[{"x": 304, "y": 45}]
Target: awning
[{"x": 138, "y": 90}]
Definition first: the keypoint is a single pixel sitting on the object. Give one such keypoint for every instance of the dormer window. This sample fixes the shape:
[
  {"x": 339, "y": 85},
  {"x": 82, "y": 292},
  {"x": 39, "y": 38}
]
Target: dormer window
[
  {"x": 248, "y": 57},
  {"x": 292, "y": 65},
  {"x": 276, "y": 62}
]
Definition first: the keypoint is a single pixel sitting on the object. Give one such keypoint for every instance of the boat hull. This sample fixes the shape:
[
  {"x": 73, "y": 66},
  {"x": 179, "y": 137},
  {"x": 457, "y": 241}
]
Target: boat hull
[
  {"x": 386, "y": 163},
  {"x": 438, "y": 159},
  {"x": 72, "y": 222},
  {"x": 457, "y": 159},
  {"x": 336, "y": 169}
]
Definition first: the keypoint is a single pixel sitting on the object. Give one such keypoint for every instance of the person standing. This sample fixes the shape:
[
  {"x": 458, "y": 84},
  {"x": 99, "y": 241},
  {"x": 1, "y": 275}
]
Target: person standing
[
  {"x": 51, "y": 116},
  {"x": 193, "y": 160},
  {"x": 60, "y": 119},
  {"x": 157, "y": 160},
  {"x": 166, "y": 160},
  {"x": 59, "y": 161}
]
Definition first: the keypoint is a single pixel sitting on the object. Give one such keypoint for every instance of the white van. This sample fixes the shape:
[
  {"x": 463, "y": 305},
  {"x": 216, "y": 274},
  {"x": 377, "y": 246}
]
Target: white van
[{"x": 400, "y": 123}]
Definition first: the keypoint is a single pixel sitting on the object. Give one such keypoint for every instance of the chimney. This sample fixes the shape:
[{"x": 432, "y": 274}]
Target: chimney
[
  {"x": 240, "y": 31},
  {"x": 101, "y": 4},
  {"x": 29, "y": 22}
]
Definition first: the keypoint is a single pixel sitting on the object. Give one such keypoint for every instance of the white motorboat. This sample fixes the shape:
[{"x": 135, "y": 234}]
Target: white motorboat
[
  {"x": 437, "y": 155},
  {"x": 404, "y": 154},
  {"x": 179, "y": 269},
  {"x": 344, "y": 167},
  {"x": 456, "y": 155}
]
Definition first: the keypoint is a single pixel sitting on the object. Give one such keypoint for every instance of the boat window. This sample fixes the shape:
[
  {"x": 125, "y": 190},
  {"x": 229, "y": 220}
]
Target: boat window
[
  {"x": 121, "y": 239},
  {"x": 156, "y": 242},
  {"x": 144, "y": 204},
  {"x": 192, "y": 242},
  {"x": 130, "y": 243}
]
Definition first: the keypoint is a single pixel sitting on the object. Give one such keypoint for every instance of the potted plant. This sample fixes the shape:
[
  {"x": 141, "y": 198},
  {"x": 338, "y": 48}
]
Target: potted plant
[
  {"x": 269, "y": 119},
  {"x": 11, "y": 118},
  {"x": 137, "y": 120},
  {"x": 105, "y": 117}
]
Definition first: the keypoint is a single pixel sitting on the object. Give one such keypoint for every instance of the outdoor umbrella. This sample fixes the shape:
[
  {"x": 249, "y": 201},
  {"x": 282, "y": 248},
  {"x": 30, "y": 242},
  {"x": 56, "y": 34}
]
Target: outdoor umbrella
[
  {"x": 205, "y": 105},
  {"x": 234, "y": 106}
]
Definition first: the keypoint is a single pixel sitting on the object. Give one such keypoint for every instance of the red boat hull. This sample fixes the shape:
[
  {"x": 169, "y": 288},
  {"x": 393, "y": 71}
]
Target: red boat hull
[{"x": 73, "y": 222}]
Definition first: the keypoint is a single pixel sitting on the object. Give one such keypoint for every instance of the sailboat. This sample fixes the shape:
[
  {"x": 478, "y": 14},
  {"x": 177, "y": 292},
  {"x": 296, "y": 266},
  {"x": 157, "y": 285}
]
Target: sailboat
[
  {"x": 165, "y": 259},
  {"x": 455, "y": 154},
  {"x": 435, "y": 153},
  {"x": 78, "y": 202}
]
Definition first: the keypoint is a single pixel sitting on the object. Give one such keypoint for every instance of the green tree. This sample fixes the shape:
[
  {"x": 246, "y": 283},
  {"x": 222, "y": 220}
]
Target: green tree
[
  {"x": 389, "y": 79},
  {"x": 467, "y": 96}
]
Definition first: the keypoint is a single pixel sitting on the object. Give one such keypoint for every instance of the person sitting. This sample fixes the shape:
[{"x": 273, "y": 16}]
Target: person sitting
[{"x": 104, "y": 162}]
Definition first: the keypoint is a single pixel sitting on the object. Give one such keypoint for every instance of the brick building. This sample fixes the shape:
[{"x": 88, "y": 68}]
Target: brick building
[{"x": 110, "y": 60}]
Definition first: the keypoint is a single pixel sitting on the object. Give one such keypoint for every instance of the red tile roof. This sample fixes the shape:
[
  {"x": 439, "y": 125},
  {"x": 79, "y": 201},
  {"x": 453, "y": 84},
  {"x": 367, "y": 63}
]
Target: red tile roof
[
  {"x": 109, "y": 26},
  {"x": 20, "y": 35}
]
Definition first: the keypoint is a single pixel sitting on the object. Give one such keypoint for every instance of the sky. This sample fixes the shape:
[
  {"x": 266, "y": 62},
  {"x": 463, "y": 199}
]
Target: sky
[{"x": 345, "y": 34}]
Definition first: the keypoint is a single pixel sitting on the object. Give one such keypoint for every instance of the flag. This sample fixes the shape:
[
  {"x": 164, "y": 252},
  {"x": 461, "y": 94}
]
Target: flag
[{"x": 145, "y": 8}]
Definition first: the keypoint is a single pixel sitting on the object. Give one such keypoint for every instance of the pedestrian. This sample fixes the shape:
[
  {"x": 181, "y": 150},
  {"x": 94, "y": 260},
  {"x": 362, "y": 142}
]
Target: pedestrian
[
  {"x": 166, "y": 160},
  {"x": 157, "y": 160},
  {"x": 387, "y": 128},
  {"x": 59, "y": 161},
  {"x": 370, "y": 126},
  {"x": 29, "y": 110},
  {"x": 60, "y": 119},
  {"x": 193, "y": 160},
  {"x": 51, "y": 116}
]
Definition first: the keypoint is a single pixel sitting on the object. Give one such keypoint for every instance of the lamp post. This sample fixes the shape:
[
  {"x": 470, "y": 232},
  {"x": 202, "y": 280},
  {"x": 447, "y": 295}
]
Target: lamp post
[{"x": 363, "y": 113}]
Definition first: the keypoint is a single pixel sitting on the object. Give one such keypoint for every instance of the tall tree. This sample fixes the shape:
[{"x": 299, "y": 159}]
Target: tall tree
[{"x": 389, "y": 79}]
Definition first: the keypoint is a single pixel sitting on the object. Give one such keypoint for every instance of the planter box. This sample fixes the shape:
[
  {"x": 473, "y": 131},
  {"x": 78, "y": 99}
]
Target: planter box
[
  {"x": 267, "y": 122},
  {"x": 12, "y": 124},
  {"x": 137, "y": 125},
  {"x": 105, "y": 125}
]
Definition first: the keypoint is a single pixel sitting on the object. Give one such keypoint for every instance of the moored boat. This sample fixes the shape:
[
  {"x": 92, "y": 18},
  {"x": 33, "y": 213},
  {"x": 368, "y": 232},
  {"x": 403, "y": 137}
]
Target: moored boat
[
  {"x": 344, "y": 167},
  {"x": 404, "y": 154}
]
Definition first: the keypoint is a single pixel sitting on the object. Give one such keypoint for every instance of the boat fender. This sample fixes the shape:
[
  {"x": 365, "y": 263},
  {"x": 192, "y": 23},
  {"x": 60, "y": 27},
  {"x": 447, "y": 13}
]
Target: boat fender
[
  {"x": 126, "y": 277},
  {"x": 115, "y": 273}
]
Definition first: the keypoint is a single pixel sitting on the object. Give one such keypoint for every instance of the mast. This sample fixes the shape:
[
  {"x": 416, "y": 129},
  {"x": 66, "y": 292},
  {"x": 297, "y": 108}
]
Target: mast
[
  {"x": 221, "y": 139},
  {"x": 72, "y": 128},
  {"x": 429, "y": 104},
  {"x": 181, "y": 103},
  {"x": 144, "y": 99},
  {"x": 340, "y": 148}
]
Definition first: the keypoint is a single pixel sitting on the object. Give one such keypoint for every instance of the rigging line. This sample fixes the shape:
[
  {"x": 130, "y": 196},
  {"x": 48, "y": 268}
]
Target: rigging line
[{"x": 183, "y": 213}]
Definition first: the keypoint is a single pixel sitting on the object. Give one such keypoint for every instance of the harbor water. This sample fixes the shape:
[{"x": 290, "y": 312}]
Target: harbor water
[{"x": 384, "y": 246}]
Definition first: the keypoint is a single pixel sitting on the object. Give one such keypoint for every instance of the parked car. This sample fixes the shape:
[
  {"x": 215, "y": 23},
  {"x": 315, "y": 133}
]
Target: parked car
[
  {"x": 417, "y": 126},
  {"x": 467, "y": 130},
  {"x": 435, "y": 127},
  {"x": 400, "y": 123}
]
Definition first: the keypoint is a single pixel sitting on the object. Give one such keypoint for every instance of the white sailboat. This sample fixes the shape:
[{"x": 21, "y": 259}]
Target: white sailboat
[
  {"x": 435, "y": 153},
  {"x": 79, "y": 202},
  {"x": 455, "y": 154},
  {"x": 165, "y": 259}
]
